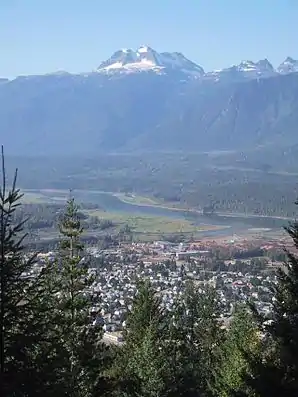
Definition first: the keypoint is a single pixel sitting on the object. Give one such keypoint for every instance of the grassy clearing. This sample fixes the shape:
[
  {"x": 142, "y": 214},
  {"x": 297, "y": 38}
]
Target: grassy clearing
[
  {"x": 151, "y": 225},
  {"x": 143, "y": 226},
  {"x": 147, "y": 224}
]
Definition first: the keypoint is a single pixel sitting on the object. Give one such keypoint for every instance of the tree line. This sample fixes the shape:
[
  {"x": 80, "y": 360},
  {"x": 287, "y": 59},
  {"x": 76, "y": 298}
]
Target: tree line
[
  {"x": 51, "y": 333},
  {"x": 46, "y": 216},
  {"x": 193, "y": 180}
]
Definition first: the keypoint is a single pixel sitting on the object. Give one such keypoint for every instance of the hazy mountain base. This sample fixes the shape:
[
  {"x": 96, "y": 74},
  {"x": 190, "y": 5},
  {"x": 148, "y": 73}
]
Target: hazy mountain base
[
  {"x": 87, "y": 114},
  {"x": 257, "y": 182}
]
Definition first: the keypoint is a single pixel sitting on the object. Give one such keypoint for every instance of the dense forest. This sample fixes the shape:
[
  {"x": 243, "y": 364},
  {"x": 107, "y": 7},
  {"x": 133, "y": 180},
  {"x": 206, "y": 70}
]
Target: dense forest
[
  {"x": 51, "y": 337},
  {"x": 256, "y": 182}
]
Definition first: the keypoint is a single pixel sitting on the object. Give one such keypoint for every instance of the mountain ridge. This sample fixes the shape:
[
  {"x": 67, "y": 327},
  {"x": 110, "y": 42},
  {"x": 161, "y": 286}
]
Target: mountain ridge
[
  {"x": 168, "y": 109},
  {"x": 145, "y": 59}
]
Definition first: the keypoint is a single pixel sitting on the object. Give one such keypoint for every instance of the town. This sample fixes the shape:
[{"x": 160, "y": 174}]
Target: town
[{"x": 239, "y": 272}]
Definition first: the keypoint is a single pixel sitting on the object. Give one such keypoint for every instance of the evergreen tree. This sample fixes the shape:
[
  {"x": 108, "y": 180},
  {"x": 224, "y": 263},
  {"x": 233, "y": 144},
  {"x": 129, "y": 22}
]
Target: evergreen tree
[
  {"x": 146, "y": 310},
  {"x": 276, "y": 372},
  {"x": 79, "y": 351},
  {"x": 195, "y": 336},
  {"x": 141, "y": 365},
  {"x": 20, "y": 317},
  {"x": 242, "y": 338},
  {"x": 150, "y": 365}
]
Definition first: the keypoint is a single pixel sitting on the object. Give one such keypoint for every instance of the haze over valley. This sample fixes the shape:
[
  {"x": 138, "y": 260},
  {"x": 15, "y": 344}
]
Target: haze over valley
[
  {"x": 148, "y": 198},
  {"x": 158, "y": 125}
]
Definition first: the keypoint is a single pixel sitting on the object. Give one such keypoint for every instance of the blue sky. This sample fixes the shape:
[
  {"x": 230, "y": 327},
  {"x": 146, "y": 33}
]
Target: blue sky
[{"x": 40, "y": 36}]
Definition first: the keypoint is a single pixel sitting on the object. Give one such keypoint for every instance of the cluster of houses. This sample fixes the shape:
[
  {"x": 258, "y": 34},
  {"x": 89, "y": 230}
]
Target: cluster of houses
[{"x": 169, "y": 267}]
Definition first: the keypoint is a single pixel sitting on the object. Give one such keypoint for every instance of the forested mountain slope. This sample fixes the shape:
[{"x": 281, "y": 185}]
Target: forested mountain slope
[{"x": 86, "y": 114}]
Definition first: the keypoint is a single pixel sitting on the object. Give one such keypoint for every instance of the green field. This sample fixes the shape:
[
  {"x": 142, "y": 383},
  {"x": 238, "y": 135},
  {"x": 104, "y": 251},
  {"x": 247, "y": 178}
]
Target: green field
[
  {"x": 143, "y": 226},
  {"x": 146, "y": 223},
  {"x": 151, "y": 225}
]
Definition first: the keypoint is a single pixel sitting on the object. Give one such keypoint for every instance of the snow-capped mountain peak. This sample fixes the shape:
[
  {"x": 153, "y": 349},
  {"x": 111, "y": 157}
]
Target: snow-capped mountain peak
[
  {"x": 245, "y": 69},
  {"x": 144, "y": 49},
  {"x": 246, "y": 66},
  {"x": 177, "y": 60},
  {"x": 289, "y": 65},
  {"x": 255, "y": 69},
  {"x": 146, "y": 58},
  {"x": 147, "y": 55}
]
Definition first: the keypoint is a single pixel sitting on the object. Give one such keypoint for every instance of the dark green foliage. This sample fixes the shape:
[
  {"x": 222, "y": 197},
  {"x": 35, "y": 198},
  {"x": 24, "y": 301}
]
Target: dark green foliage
[
  {"x": 146, "y": 311},
  {"x": 79, "y": 353},
  {"x": 51, "y": 341},
  {"x": 170, "y": 353},
  {"x": 141, "y": 366},
  {"x": 46, "y": 216},
  {"x": 193, "y": 179},
  {"x": 195, "y": 336},
  {"x": 241, "y": 339},
  {"x": 275, "y": 373},
  {"x": 20, "y": 324},
  {"x": 149, "y": 364}
]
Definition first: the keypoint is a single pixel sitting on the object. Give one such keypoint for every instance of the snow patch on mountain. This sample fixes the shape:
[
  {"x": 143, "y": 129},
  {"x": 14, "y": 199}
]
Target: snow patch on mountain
[
  {"x": 147, "y": 59},
  {"x": 245, "y": 70},
  {"x": 289, "y": 65}
]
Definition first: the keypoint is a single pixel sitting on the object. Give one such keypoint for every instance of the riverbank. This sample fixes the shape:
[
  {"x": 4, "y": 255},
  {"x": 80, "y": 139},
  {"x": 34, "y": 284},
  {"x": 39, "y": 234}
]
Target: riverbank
[
  {"x": 154, "y": 226},
  {"x": 150, "y": 202},
  {"x": 146, "y": 219},
  {"x": 149, "y": 216}
]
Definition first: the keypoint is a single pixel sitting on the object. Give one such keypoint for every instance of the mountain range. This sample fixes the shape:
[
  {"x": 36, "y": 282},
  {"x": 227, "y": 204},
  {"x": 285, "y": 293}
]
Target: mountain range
[
  {"x": 144, "y": 100},
  {"x": 146, "y": 58}
]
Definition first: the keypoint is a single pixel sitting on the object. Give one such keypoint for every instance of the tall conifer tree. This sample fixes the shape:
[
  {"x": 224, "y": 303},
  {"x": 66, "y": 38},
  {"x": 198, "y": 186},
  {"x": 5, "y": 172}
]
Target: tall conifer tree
[
  {"x": 276, "y": 372},
  {"x": 81, "y": 354},
  {"x": 141, "y": 366},
  {"x": 242, "y": 337},
  {"x": 20, "y": 328},
  {"x": 194, "y": 340}
]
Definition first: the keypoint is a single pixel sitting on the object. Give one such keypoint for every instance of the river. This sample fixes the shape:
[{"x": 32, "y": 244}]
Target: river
[{"x": 231, "y": 224}]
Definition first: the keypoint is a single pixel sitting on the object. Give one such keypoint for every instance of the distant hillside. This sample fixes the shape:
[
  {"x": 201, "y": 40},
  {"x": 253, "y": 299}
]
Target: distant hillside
[
  {"x": 75, "y": 114},
  {"x": 222, "y": 116},
  {"x": 152, "y": 110}
]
